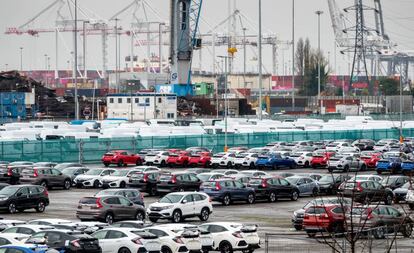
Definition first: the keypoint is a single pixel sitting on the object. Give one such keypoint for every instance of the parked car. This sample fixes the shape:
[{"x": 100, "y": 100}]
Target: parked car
[
  {"x": 129, "y": 224},
  {"x": 303, "y": 158},
  {"x": 15, "y": 198},
  {"x": 66, "y": 241},
  {"x": 6, "y": 223},
  {"x": 227, "y": 191},
  {"x": 109, "y": 209},
  {"x": 371, "y": 158},
  {"x": 346, "y": 163},
  {"x": 157, "y": 158},
  {"x": 380, "y": 220},
  {"x": 121, "y": 158},
  {"x": 26, "y": 229},
  {"x": 224, "y": 159},
  {"x": 118, "y": 179},
  {"x": 324, "y": 218},
  {"x": 127, "y": 240},
  {"x": 73, "y": 172},
  {"x": 133, "y": 195},
  {"x": 246, "y": 160},
  {"x": 273, "y": 188},
  {"x": 170, "y": 241},
  {"x": 230, "y": 236},
  {"x": 391, "y": 163},
  {"x": 46, "y": 177},
  {"x": 400, "y": 193},
  {"x": 329, "y": 183},
  {"x": 178, "y": 181},
  {"x": 197, "y": 149},
  {"x": 364, "y": 144},
  {"x": 226, "y": 172},
  {"x": 210, "y": 176},
  {"x": 145, "y": 181},
  {"x": 275, "y": 161},
  {"x": 45, "y": 164},
  {"x": 9, "y": 175},
  {"x": 49, "y": 222},
  {"x": 394, "y": 182},
  {"x": 242, "y": 178},
  {"x": 306, "y": 185},
  {"x": 202, "y": 159},
  {"x": 366, "y": 191},
  {"x": 92, "y": 178},
  {"x": 13, "y": 239},
  {"x": 321, "y": 158},
  {"x": 407, "y": 167},
  {"x": 178, "y": 159},
  {"x": 180, "y": 205},
  {"x": 198, "y": 170},
  {"x": 61, "y": 166},
  {"x": 375, "y": 178},
  {"x": 298, "y": 215}
]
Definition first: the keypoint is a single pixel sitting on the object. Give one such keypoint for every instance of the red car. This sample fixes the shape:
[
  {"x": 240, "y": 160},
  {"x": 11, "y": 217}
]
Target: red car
[
  {"x": 121, "y": 158},
  {"x": 202, "y": 159},
  {"x": 178, "y": 159},
  {"x": 324, "y": 218},
  {"x": 321, "y": 159},
  {"x": 371, "y": 159}
]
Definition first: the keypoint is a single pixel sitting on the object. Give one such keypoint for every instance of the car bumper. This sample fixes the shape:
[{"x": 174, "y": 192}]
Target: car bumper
[
  {"x": 85, "y": 183},
  {"x": 89, "y": 215},
  {"x": 167, "y": 214},
  {"x": 110, "y": 184}
]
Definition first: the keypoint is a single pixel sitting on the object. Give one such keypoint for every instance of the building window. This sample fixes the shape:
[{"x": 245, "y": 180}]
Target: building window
[
  {"x": 159, "y": 100},
  {"x": 119, "y": 100},
  {"x": 147, "y": 101},
  {"x": 170, "y": 115},
  {"x": 136, "y": 100},
  {"x": 128, "y": 100},
  {"x": 111, "y": 100}
]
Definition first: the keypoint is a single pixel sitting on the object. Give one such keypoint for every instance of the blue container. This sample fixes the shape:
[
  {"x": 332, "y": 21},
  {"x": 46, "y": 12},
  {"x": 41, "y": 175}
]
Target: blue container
[{"x": 181, "y": 90}]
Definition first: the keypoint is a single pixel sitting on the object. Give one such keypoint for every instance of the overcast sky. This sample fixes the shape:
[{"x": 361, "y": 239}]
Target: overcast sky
[{"x": 399, "y": 23}]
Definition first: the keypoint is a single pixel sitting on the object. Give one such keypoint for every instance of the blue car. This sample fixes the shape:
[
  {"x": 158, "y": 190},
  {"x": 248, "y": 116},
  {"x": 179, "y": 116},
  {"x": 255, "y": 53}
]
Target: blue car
[
  {"x": 228, "y": 190},
  {"x": 407, "y": 167},
  {"x": 390, "y": 164},
  {"x": 275, "y": 161},
  {"x": 306, "y": 185},
  {"x": 30, "y": 248}
]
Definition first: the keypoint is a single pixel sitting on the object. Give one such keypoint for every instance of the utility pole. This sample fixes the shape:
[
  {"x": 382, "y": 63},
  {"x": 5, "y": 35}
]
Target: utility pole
[
  {"x": 76, "y": 61},
  {"x": 47, "y": 79},
  {"x": 401, "y": 103},
  {"x": 160, "y": 41},
  {"x": 21, "y": 58},
  {"x": 293, "y": 55},
  {"x": 85, "y": 70},
  {"x": 226, "y": 63},
  {"x": 244, "y": 58},
  {"x": 319, "y": 13},
  {"x": 116, "y": 56},
  {"x": 260, "y": 61}
]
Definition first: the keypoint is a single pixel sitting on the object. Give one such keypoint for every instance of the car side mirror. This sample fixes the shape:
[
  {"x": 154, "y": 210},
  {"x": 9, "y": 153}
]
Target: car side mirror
[
  {"x": 184, "y": 201},
  {"x": 131, "y": 204},
  {"x": 19, "y": 194}
]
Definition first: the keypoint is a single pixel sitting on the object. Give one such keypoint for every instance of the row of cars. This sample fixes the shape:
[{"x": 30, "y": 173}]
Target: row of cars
[{"x": 126, "y": 237}]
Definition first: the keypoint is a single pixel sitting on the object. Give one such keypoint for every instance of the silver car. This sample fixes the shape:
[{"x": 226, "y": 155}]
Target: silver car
[{"x": 346, "y": 163}]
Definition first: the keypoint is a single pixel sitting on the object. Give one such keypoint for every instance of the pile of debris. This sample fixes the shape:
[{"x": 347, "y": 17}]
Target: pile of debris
[{"x": 46, "y": 101}]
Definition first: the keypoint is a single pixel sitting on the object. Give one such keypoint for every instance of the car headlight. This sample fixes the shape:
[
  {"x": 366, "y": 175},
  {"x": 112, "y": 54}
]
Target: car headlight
[
  {"x": 3, "y": 198},
  {"x": 410, "y": 196},
  {"x": 166, "y": 207}
]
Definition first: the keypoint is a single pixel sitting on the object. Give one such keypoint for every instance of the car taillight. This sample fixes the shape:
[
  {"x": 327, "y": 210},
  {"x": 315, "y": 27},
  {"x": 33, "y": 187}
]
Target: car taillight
[
  {"x": 264, "y": 183},
  {"x": 9, "y": 172},
  {"x": 75, "y": 243},
  {"x": 174, "y": 179},
  {"x": 325, "y": 215},
  {"x": 46, "y": 192},
  {"x": 137, "y": 241},
  {"x": 178, "y": 239},
  {"x": 359, "y": 188},
  {"x": 145, "y": 177},
  {"x": 210, "y": 200},
  {"x": 142, "y": 196},
  {"x": 218, "y": 186},
  {"x": 237, "y": 234},
  {"x": 98, "y": 203},
  {"x": 35, "y": 174}
]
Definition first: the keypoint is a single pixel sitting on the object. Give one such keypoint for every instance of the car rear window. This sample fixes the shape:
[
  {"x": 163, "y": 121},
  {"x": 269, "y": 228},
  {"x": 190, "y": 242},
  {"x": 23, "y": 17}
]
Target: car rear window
[
  {"x": 315, "y": 210},
  {"x": 165, "y": 177},
  {"x": 87, "y": 201},
  {"x": 209, "y": 184},
  {"x": 255, "y": 181},
  {"x": 109, "y": 154},
  {"x": 145, "y": 234}
]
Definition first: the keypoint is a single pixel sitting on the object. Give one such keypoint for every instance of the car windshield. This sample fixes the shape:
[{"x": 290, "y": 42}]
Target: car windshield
[
  {"x": 357, "y": 178},
  {"x": 69, "y": 171},
  {"x": 204, "y": 177},
  {"x": 120, "y": 173},
  {"x": 293, "y": 180},
  {"x": 296, "y": 154},
  {"x": 389, "y": 180},
  {"x": 171, "y": 198},
  {"x": 391, "y": 155},
  {"x": 327, "y": 179},
  {"x": 106, "y": 192},
  {"x": 9, "y": 191},
  {"x": 242, "y": 155},
  {"x": 94, "y": 172}
]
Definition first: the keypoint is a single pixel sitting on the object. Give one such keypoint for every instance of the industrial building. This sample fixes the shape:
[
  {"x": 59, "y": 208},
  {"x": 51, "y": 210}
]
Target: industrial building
[{"x": 142, "y": 106}]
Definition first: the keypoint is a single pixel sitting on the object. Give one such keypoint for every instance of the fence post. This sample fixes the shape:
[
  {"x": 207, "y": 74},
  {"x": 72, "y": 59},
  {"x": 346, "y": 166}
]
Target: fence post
[
  {"x": 266, "y": 243},
  {"x": 152, "y": 141},
  {"x": 80, "y": 151}
]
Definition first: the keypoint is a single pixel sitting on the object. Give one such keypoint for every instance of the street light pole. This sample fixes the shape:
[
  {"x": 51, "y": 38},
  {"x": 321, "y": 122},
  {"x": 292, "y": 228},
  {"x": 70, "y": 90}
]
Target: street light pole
[
  {"x": 401, "y": 103},
  {"x": 226, "y": 58},
  {"x": 76, "y": 61},
  {"x": 260, "y": 61},
  {"x": 21, "y": 58},
  {"x": 319, "y": 13},
  {"x": 293, "y": 55}
]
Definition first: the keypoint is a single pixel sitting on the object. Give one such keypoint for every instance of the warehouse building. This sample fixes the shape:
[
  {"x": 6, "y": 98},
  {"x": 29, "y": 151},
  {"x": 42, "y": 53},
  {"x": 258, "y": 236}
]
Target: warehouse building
[{"x": 142, "y": 106}]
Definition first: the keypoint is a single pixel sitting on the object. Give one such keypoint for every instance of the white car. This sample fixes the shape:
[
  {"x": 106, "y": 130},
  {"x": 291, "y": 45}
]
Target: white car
[
  {"x": 352, "y": 149},
  {"x": 375, "y": 178},
  {"x": 246, "y": 160},
  {"x": 157, "y": 158},
  {"x": 10, "y": 223},
  {"x": 178, "y": 205},
  {"x": 302, "y": 158},
  {"x": 27, "y": 229},
  {"x": 118, "y": 179},
  {"x": 229, "y": 236},
  {"x": 227, "y": 160},
  {"x": 92, "y": 178},
  {"x": 410, "y": 199},
  {"x": 336, "y": 146},
  {"x": 209, "y": 176},
  {"x": 382, "y": 147},
  {"x": 216, "y": 159},
  {"x": 254, "y": 173},
  {"x": 145, "y": 168},
  {"x": 13, "y": 238},
  {"x": 114, "y": 239},
  {"x": 49, "y": 222},
  {"x": 170, "y": 242}
]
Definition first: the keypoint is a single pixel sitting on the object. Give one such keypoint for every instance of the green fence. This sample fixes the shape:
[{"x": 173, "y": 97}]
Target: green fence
[{"x": 91, "y": 150}]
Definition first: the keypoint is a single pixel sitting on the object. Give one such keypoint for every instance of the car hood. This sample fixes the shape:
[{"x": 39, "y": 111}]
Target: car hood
[
  {"x": 400, "y": 190},
  {"x": 87, "y": 177},
  {"x": 157, "y": 204},
  {"x": 111, "y": 178}
]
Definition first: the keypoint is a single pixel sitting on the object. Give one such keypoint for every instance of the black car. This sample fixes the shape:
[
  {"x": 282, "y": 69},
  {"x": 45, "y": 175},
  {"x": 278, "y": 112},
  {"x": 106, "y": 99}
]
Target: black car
[
  {"x": 62, "y": 166},
  {"x": 364, "y": 144},
  {"x": 394, "y": 182},
  {"x": 73, "y": 172},
  {"x": 366, "y": 191},
  {"x": 16, "y": 198},
  {"x": 273, "y": 188},
  {"x": 198, "y": 170},
  {"x": 132, "y": 194},
  {"x": 329, "y": 184},
  {"x": 11, "y": 174},
  {"x": 145, "y": 181},
  {"x": 178, "y": 182},
  {"x": 66, "y": 241}
]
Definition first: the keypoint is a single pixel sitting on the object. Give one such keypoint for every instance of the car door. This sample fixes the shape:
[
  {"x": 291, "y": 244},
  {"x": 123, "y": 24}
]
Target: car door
[
  {"x": 282, "y": 186},
  {"x": 240, "y": 190},
  {"x": 187, "y": 205},
  {"x": 22, "y": 198},
  {"x": 55, "y": 240},
  {"x": 34, "y": 195},
  {"x": 58, "y": 177},
  {"x": 113, "y": 240},
  {"x": 113, "y": 204},
  {"x": 126, "y": 208},
  {"x": 194, "y": 183},
  {"x": 198, "y": 203},
  {"x": 101, "y": 236}
]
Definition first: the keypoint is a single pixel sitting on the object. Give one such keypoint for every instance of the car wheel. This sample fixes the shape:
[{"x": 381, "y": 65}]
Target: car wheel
[
  {"x": 138, "y": 163},
  {"x": 140, "y": 216},
  {"x": 166, "y": 250},
  {"x": 388, "y": 200},
  {"x": 226, "y": 200},
  {"x": 12, "y": 207},
  {"x": 251, "y": 199},
  {"x": 275, "y": 167},
  {"x": 122, "y": 184},
  {"x": 411, "y": 206},
  {"x": 67, "y": 184},
  {"x": 41, "y": 206},
  {"x": 292, "y": 166},
  {"x": 315, "y": 192},
  {"x": 152, "y": 191},
  {"x": 124, "y": 250},
  {"x": 297, "y": 227},
  {"x": 120, "y": 163},
  {"x": 407, "y": 230},
  {"x": 252, "y": 166},
  {"x": 96, "y": 184},
  {"x": 272, "y": 197},
  {"x": 225, "y": 247},
  {"x": 330, "y": 170},
  {"x": 379, "y": 172},
  {"x": 43, "y": 184},
  {"x": 396, "y": 201},
  {"x": 109, "y": 218},
  {"x": 205, "y": 214},
  {"x": 153, "y": 220},
  {"x": 346, "y": 168},
  {"x": 311, "y": 234},
  {"x": 379, "y": 233},
  {"x": 106, "y": 164},
  {"x": 176, "y": 216},
  {"x": 20, "y": 210},
  {"x": 181, "y": 189},
  {"x": 229, "y": 165},
  {"x": 306, "y": 164},
  {"x": 363, "y": 167},
  {"x": 247, "y": 251},
  {"x": 294, "y": 196},
  {"x": 162, "y": 163}
]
